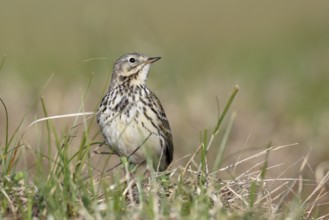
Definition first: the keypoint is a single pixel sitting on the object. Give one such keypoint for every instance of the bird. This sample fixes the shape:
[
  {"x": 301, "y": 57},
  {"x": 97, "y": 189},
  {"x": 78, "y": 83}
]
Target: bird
[{"x": 131, "y": 117}]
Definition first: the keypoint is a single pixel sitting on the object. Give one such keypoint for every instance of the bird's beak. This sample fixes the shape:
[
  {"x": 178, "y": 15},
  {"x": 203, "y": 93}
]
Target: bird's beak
[{"x": 153, "y": 59}]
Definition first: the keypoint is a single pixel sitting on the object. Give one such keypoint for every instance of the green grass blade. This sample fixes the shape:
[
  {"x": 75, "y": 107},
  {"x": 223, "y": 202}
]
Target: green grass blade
[
  {"x": 223, "y": 142},
  {"x": 226, "y": 108}
]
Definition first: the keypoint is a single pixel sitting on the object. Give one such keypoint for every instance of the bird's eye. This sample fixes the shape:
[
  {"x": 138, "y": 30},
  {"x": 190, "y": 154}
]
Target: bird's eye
[{"x": 132, "y": 60}]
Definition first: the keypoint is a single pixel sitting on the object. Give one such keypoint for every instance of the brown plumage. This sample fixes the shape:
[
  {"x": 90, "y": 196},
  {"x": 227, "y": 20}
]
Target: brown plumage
[{"x": 131, "y": 117}]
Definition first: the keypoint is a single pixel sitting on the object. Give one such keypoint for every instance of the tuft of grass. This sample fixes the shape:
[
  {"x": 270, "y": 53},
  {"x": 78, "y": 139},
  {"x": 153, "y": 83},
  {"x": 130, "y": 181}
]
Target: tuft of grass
[{"x": 66, "y": 185}]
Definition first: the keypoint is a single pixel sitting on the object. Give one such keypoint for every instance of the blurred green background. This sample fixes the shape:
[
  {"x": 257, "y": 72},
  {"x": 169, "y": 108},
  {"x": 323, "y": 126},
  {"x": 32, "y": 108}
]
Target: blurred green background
[{"x": 278, "y": 53}]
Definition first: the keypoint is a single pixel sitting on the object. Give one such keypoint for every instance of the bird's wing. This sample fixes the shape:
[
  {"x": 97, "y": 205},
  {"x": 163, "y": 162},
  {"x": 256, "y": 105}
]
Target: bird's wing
[{"x": 164, "y": 126}]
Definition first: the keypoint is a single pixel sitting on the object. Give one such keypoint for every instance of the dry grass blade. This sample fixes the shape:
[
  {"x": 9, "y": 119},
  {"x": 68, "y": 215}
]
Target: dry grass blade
[
  {"x": 59, "y": 117},
  {"x": 192, "y": 158},
  {"x": 319, "y": 186},
  {"x": 254, "y": 156}
]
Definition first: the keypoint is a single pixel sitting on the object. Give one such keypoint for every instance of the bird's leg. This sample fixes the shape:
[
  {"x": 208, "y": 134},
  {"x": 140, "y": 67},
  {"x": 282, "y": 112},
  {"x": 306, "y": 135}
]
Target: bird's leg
[{"x": 129, "y": 179}]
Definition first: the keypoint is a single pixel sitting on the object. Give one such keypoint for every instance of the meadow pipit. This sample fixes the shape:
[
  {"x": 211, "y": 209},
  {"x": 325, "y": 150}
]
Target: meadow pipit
[{"x": 132, "y": 118}]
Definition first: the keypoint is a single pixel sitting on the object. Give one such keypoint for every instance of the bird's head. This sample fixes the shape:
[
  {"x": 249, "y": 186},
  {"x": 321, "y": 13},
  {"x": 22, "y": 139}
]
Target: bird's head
[{"x": 132, "y": 67}]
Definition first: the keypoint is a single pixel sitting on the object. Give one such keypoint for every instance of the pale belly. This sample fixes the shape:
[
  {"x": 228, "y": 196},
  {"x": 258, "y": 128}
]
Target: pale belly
[{"x": 129, "y": 138}]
